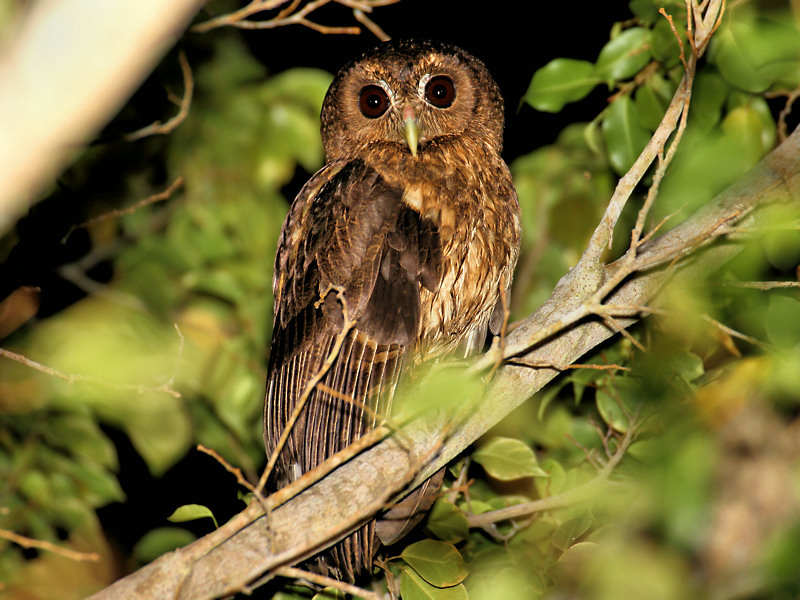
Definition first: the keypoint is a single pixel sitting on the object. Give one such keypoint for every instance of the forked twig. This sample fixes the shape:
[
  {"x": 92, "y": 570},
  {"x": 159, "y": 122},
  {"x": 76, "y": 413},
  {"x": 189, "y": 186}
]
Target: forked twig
[
  {"x": 163, "y": 128},
  {"x": 292, "y": 15}
]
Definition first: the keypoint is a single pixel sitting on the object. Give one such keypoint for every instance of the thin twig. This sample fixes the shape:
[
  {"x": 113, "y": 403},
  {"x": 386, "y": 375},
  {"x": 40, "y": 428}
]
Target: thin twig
[
  {"x": 616, "y": 327},
  {"x": 733, "y": 333},
  {"x": 27, "y": 542},
  {"x": 236, "y": 472},
  {"x": 347, "y": 588},
  {"x": 293, "y": 16},
  {"x": 563, "y": 367},
  {"x": 362, "y": 18},
  {"x": 71, "y": 378},
  {"x": 761, "y": 285},
  {"x": 668, "y": 17},
  {"x": 159, "y": 128},
  {"x": 783, "y": 115},
  {"x": 115, "y": 214}
]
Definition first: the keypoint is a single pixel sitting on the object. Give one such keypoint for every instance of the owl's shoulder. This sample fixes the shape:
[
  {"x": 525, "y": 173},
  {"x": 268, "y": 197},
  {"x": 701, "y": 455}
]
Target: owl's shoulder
[{"x": 349, "y": 229}]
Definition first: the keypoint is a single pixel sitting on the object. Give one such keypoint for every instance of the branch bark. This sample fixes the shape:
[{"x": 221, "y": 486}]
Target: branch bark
[
  {"x": 70, "y": 68},
  {"x": 253, "y": 543}
]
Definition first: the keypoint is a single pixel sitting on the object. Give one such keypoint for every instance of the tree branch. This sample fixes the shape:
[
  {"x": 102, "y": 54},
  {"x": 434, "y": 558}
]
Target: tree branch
[
  {"x": 243, "y": 549},
  {"x": 90, "y": 75}
]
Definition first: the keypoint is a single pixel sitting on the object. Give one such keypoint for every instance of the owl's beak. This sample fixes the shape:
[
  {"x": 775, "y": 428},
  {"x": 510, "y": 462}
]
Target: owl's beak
[{"x": 411, "y": 129}]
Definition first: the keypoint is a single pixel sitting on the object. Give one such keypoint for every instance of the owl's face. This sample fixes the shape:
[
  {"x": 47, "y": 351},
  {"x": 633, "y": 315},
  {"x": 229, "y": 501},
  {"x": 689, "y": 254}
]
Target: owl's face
[{"x": 411, "y": 97}]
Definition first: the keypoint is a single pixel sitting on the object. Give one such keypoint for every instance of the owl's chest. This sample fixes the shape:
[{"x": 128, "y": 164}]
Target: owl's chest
[{"x": 478, "y": 226}]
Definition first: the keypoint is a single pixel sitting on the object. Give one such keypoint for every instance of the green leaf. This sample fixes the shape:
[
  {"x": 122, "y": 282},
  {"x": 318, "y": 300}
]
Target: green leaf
[
  {"x": 446, "y": 388},
  {"x": 81, "y": 435},
  {"x": 624, "y": 134},
  {"x": 414, "y": 587},
  {"x": 652, "y": 100},
  {"x": 782, "y": 321},
  {"x": 158, "y": 541},
  {"x": 35, "y": 485},
  {"x": 329, "y": 593},
  {"x": 124, "y": 348},
  {"x": 751, "y": 125},
  {"x": 555, "y": 483},
  {"x": 508, "y": 458},
  {"x": 664, "y": 46},
  {"x": 191, "y": 512},
  {"x": 645, "y": 10},
  {"x": 648, "y": 451},
  {"x": 547, "y": 396},
  {"x": 559, "y": 82},
  {"x": 708, "y": 97},
  {"x": 756, "y": 54},
  {"x": 580, "y": 378},
  {"x": 611, "y": 411},
  {"x": 476, "y": 507},
  {"x": 688, "y": 365},
  {"x": 438, "y": 563},
  {"x": 569, "y": 532},
  {"x": 447, "y": 522},
  {"x": 98, "y": 486},
  {"x": 624, "y": 56}
]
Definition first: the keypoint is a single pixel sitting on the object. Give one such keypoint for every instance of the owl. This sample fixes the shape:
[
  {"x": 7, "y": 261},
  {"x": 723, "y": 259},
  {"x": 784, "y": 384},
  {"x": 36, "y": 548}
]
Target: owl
[{"x": 399, "y": 250}]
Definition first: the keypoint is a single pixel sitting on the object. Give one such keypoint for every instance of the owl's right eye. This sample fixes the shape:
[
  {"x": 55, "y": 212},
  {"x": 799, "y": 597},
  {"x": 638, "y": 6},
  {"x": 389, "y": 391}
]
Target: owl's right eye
[{"x": 373, "y": 101}]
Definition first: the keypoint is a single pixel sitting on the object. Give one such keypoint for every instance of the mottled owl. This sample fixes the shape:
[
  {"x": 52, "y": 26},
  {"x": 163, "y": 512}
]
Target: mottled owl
[{"x": 400, "y": 249}]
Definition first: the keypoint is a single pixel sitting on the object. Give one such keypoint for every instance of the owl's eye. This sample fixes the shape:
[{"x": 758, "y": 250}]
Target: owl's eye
[
  {"x": 440, "y": 91},
  {"x": 373, "y": 101}
]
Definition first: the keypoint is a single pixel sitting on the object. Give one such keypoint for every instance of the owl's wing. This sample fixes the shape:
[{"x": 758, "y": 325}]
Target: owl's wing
[{"x": 348, "y": 244}]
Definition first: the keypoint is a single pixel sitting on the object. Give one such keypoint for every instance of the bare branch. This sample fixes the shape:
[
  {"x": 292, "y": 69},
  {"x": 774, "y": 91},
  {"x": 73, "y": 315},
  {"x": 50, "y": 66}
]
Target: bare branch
[
  {"x": 159, "y": 128},
  {"x": 115, "y": 214},
  {"x": 27, "y": 542},
  {"x": 347, "y": 588},
  {"x": 165, "y": 388},
  {"x": 118, "y": 45},
  {"x": 292, "y": 15}
]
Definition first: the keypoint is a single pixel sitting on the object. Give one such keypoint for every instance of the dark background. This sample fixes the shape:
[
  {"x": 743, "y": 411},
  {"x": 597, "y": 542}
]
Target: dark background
[{"x": 512, "y": 39}]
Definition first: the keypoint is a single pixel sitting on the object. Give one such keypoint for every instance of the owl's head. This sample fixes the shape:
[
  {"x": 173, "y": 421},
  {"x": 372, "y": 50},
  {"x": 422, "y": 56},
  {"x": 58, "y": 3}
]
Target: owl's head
[{"x": 410, "y": 97}]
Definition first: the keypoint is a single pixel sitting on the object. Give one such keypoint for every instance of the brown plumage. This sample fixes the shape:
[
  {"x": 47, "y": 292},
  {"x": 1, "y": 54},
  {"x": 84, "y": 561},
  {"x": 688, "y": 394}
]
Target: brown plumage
[{"x": 412, "y": 227}]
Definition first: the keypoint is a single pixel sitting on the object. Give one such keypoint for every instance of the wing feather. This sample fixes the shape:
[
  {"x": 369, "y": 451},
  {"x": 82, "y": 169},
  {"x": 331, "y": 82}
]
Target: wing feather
[{"x": 349, "y": 244}]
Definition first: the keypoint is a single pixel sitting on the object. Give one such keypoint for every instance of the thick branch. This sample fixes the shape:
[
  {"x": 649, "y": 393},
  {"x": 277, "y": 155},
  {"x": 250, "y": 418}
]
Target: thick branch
[
  {"x": 243, "y": 549},
  {"x": 72, "y": 65}
]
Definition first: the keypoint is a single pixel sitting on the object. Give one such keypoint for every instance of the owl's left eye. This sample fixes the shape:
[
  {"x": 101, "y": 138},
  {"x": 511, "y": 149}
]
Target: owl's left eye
[
  {"x": 440, "y": 91},
  {"x": 373, "y": 101}
]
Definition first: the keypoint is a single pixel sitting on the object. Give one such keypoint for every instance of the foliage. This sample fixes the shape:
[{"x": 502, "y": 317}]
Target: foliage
[{"x": 658, "y": 455}]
